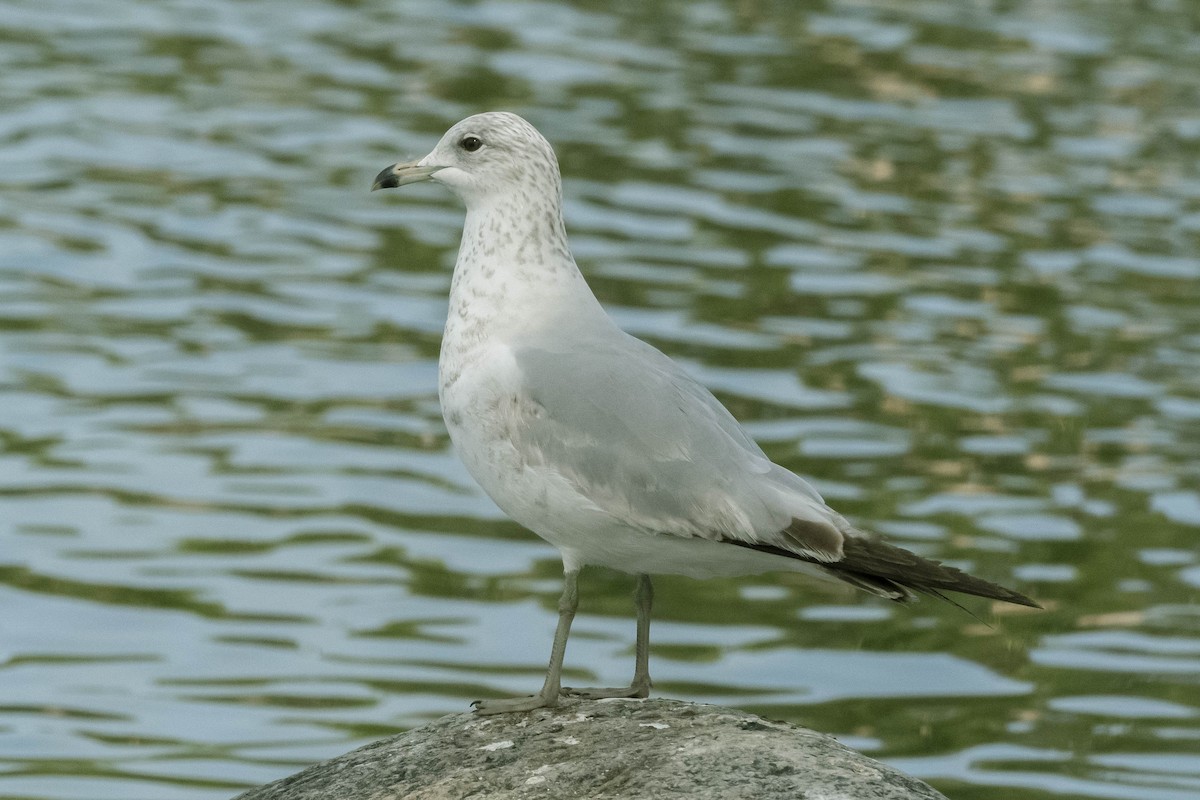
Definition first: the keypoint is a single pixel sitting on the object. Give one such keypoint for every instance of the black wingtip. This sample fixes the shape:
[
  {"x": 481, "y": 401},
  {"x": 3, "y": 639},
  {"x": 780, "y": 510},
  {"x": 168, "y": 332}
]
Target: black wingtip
[
  {"x": 1021, "y": 600},
  {"x": 894, "y": 573}
]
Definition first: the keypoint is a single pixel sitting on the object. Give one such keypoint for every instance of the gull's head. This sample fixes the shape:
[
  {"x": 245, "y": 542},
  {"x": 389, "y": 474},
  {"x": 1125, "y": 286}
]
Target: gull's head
[{"x": 496, "y": 153}]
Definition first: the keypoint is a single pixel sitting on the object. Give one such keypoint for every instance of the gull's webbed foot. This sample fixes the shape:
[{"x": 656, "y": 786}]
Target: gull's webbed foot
[
  {"x": 514, "y": 704},
  {"x": 637, "y": 689}
]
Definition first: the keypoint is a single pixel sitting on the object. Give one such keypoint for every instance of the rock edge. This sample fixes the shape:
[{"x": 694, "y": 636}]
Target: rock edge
[{"x": 606, "y": 749}]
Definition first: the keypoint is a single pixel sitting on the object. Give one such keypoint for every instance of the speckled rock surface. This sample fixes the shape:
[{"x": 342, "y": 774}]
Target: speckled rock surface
[{"x": 607, "y": 749}]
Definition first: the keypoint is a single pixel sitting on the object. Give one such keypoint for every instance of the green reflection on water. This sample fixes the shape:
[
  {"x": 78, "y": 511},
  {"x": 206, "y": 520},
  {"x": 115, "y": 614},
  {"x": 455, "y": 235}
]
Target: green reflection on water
[{"x": 941, "y": 257}]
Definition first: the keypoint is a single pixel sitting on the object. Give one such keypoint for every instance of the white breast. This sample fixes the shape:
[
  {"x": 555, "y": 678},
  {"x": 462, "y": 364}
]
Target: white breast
[{"x": 481, "y": 406}]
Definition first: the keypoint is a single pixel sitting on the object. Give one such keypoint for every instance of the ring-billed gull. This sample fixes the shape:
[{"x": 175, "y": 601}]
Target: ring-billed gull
[{"x": 596, "y": 441}]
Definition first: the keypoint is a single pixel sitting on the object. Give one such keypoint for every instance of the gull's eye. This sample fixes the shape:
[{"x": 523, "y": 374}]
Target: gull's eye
[{"x": 471, "y": 143}]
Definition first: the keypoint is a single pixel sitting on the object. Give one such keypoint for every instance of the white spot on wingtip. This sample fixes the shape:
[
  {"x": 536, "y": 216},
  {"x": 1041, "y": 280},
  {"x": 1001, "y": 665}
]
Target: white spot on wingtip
[{"x": 658, "y": 726}]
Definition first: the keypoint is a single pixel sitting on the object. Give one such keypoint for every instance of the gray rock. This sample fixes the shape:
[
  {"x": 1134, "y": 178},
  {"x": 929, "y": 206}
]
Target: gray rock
[{"x": 606, "y": 749}]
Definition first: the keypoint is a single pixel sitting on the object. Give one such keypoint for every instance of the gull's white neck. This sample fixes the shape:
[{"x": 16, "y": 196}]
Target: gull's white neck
[
  {"x": 515, "y": 276},
  {"x": 514, "y": 267}
]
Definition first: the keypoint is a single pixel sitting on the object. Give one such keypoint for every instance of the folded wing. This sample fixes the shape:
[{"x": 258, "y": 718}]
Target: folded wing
[{"x": 650, "y": 446}]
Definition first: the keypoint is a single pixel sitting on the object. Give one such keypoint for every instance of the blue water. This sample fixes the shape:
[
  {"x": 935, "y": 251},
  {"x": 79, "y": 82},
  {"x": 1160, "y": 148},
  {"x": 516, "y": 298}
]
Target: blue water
[{"x": 942, "y": 259}]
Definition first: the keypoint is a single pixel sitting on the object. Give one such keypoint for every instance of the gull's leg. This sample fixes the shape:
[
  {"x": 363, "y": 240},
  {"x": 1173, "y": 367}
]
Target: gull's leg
[
  {"x": 548, "y": 696},
  {"x": 644, "y": 598}
]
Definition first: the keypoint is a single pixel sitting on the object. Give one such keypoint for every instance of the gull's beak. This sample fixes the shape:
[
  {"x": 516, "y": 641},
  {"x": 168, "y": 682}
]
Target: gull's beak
[{"x": 401, "y": 174}]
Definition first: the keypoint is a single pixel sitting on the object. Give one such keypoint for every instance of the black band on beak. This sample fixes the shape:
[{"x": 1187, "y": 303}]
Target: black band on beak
[{"x": 387, "y": 179}]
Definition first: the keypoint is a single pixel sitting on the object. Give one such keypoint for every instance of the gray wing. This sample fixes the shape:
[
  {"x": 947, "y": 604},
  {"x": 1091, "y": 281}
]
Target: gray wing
[{"x": 649, "y": 445}]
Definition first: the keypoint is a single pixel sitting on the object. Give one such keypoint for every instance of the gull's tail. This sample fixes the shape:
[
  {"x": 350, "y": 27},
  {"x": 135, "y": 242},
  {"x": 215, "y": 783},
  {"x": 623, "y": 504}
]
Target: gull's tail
[
  {"x": 893, "y": 572},
  {"x": 883, "y": 569}
]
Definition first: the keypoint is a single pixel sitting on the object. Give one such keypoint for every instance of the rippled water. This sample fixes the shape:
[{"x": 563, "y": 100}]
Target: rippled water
[{"x": 943, "y": 258}]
